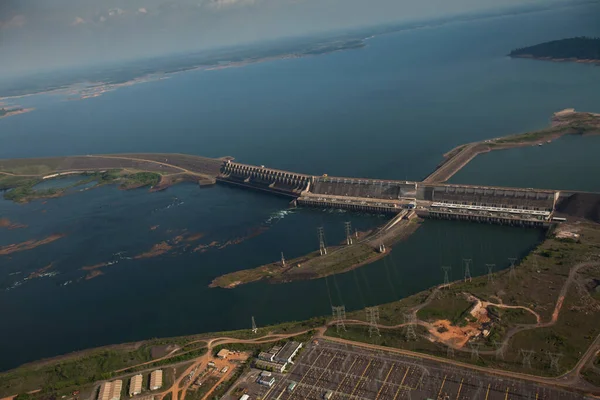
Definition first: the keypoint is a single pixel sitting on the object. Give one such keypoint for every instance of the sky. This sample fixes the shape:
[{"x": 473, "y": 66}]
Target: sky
[{"x": 47, "y": 34}]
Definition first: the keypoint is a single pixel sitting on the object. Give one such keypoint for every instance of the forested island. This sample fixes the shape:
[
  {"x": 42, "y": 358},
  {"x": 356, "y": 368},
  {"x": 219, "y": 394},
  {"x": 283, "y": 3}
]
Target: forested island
[{"x": 580, "y": 49}]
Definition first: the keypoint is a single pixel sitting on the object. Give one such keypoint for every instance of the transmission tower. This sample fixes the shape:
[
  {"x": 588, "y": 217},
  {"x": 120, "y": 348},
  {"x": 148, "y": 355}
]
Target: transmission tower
[
  {"x": 500, "y": 350},
  {"x": 511, "y": 272},
  {"x": 449, "y": 352},
  {"x": 474, "y": 350},
  {"x": 526, "y": 357},
  {"x": 348, "y": 226},
  {"x": 467, "y": 262},
  {"x": 322, "y": 248},
  {"x": 409, "y": 327},
  {"x": 373, "y": 320},
  {"x": 554, "y": 361},
  {"x": 339, "y": 315},
  {"x": 282, "y": 260},
  {"x": 490, "y": 268},
  {"x": 446, "y": 270},
  {"x": 254, "y": 328}
]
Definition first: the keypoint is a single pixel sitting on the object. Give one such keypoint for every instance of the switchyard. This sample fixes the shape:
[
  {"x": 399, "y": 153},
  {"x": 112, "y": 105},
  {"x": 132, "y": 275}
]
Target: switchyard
[{"x": 346, "y": 371}]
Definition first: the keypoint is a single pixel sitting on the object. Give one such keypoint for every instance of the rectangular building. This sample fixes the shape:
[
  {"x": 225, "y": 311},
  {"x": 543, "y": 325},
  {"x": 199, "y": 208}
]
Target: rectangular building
[
  {"x": 223, "y": 353},
  {"x": 115, "y": 390},
  {"x": 269, "y": 366},
  {"x": 263, "y": 355},
  {"x": 288, "y": 352},
  {"x": 156, "y": 379},
  {"x": 267, "y": 381},
  {"x": 135, "y": 385},
  {"x": 104, "y": 393}
]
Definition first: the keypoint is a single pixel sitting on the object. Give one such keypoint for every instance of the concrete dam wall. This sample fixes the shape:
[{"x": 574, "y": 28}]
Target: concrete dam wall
[{"x": 264, "y": 179}]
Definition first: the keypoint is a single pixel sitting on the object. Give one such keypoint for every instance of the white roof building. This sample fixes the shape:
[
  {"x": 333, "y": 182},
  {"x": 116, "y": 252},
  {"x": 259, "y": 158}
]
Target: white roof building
[
  {"x": 156, "y": 379},
  {"x": 135, "y": 385}
]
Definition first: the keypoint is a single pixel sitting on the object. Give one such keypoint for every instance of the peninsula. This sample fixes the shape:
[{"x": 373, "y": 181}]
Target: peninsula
[{"x": 578, "y": 49}]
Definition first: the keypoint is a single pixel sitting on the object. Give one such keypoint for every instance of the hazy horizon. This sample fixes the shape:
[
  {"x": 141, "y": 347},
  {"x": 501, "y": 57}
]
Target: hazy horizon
[{"x": 37, "y": 35}]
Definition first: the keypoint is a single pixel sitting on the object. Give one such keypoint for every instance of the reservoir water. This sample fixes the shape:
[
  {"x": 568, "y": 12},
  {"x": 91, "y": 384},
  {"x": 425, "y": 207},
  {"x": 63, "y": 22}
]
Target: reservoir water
[{"x": 389, "y": 110}]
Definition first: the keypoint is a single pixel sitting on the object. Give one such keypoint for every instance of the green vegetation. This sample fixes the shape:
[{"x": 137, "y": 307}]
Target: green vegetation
[
  {"x": 22, "y": 189},
  {"x": 537, "y": 285},
  {"x": 68, "y": 373},
  {"x": 9, "y": 182},
  {"x": 454, "y": 310},
  {"x": 580, "y": 48},
  {"x": 74, "y": 372},
  {"x": 140, "y": 179},
  {"x": 23, "y": 186}
]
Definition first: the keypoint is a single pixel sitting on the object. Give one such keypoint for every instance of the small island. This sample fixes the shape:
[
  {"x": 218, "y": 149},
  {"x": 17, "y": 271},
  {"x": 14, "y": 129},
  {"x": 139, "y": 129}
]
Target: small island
[
  {"x": 7, "y": 112},
  {"x": 577, "y": 49}
]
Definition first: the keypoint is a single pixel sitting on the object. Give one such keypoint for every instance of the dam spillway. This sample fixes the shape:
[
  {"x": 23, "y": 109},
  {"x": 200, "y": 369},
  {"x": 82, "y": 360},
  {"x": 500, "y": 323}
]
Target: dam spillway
[{"x": 500, "y": 205}]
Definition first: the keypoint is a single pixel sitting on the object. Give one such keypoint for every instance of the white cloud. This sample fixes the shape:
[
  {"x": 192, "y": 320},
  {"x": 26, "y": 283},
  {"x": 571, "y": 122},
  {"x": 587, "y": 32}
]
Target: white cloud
[
  {"x": 113, "y": 12},
  {"x": 78, "y": 21},
  {"x": 102, "y": 18},
  {"x": 142, "y": 10},
  {"x": 15, "y": 22},
  {"x": 229, "y": 3}
]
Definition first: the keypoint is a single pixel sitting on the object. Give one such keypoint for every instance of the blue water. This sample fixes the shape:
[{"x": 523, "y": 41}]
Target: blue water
[
  {"x": 569, "y": 163},
  {"x": 389, "y": 110}
]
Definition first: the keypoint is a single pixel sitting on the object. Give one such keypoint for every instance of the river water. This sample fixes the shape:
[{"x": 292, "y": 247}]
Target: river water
[{"x": 389, "y": 111}]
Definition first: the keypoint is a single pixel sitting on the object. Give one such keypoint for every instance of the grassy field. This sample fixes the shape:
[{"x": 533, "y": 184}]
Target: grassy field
[
  {"x": 453, "y": 309},
  {"x": 537, "y": 283},
  {"x": 23, "y": 188}
]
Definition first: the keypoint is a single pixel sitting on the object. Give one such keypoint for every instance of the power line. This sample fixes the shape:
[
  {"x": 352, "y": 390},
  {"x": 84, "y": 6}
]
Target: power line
[
  {"x": 348, "y": 227},
  {"x": 339, "y": 315},
  {"x": 373, "y": 320},
  {"x": 467, "y": 262},
  {"x": 322, "y": 247}
]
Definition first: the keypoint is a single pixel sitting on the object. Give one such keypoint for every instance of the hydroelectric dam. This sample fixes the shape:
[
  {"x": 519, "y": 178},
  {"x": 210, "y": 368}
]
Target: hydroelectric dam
[{"x": 512, "y": 206}]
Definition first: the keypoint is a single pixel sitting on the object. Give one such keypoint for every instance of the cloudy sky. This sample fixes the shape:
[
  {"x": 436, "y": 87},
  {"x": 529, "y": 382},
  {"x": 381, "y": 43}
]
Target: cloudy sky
[{"x": 56, "y": 33}]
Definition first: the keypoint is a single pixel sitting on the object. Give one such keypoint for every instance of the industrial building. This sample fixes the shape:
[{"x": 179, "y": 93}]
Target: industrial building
[
  {"x": 244, "y": 397},
  {"x": 156, "y": 379},
  {"x": 110, "y": 390},
  {"x": 135, "y": 385},
  {"x": 223, "y": 354},
  {"x": 265, "y": 356},
  {"x": 288, "y": 352},
  {"x": 269, "y": 366},
  {"x": 267, "y": 381}
]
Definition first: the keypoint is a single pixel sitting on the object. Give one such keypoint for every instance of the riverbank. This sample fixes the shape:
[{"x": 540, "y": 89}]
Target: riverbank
[
  {"x": 555, "y": 59},
  {"x": 541, "y": 304}
]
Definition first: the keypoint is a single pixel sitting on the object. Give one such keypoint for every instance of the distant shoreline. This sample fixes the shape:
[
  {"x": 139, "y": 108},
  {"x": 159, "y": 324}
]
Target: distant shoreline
[{"x": 576, "y": 60}]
